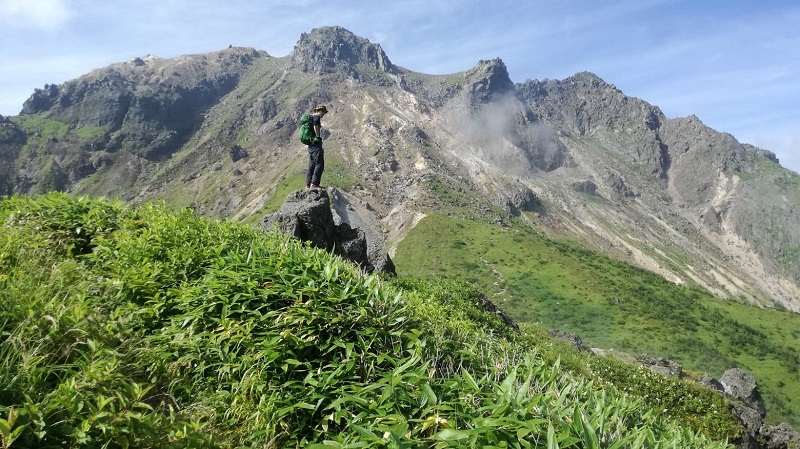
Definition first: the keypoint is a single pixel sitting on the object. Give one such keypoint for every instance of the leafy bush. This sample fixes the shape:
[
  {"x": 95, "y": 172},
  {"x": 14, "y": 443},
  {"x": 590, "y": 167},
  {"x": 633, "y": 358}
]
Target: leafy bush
[{"x": 145, "y": 327}]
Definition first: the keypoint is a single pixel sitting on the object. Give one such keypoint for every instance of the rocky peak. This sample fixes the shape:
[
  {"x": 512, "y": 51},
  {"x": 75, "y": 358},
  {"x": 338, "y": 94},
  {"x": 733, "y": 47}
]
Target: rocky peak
[
  {"x": 597, "y": 104},
  {"x": 335, "y": 49},
  {"x": 488, "y": 79}
]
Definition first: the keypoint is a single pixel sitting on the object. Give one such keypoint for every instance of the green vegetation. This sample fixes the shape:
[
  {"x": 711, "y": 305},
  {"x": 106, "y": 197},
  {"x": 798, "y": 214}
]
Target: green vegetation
[
  {"x": 90, "y": 133},
  {"x": 337, "y": 175},
  {"x": 144, "y": 327},
  {"x": 41, "y": 128},
  {"x": 610, "y": 304}
]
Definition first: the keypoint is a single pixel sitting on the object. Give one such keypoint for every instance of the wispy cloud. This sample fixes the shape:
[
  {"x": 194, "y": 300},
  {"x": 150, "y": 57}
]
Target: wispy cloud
[{"x": 42, "y": 14}]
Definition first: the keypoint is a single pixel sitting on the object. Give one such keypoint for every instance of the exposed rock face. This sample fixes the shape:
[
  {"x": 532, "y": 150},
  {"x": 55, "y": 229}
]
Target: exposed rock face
[
  {"x": 523, "y": 200},
  {"x": 306, "y": 215},
  {"x": 337, "y": 50},
  {"x": 148, "y": 106},
  {"x": 11, "y": 140},
  {"x": 748, "y": 406},
  {"x": 742, "y": 385},
  {"x": 587, "y": 105},
  {"x": 491, "y": 80},
  {"x": 587, "y": 187}
]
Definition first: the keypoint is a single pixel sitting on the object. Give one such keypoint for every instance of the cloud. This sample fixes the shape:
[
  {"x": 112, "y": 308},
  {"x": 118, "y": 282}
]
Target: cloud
[{"x": 42, "y": 14}]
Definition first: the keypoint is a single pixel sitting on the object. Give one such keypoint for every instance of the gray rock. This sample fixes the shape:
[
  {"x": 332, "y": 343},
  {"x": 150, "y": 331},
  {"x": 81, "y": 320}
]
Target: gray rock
[
  {"x": 306, "y": 215},
  {"x": 742, "y": 386},
  {"x": 660, "y": 365},
  {"x": 779, "y": 437},
  {"x": 712, "y": 383},
  {"x": 587, "y": 187}
]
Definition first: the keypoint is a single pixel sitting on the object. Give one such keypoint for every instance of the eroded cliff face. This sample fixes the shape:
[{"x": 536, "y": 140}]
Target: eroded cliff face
[
  {"x": 216, "y": 132},
  {"x": 147, "y": 106}
]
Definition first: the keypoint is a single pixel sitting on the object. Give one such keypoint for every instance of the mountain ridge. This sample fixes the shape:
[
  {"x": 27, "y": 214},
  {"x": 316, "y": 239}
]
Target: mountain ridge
[{"x": 576, "y": 157}]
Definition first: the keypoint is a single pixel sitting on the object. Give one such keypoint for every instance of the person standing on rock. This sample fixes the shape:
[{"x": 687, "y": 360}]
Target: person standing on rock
[{"x": 316, "y": 155}]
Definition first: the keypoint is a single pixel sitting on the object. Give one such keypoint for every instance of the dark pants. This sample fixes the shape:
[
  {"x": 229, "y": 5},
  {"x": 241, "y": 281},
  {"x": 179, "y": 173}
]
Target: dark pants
[{"x": 316, "y": 163}]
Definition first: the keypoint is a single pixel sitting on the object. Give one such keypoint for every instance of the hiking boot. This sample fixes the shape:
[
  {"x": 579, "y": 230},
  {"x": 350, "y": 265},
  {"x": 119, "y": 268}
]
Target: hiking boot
[{"x": 314, "y": 187}]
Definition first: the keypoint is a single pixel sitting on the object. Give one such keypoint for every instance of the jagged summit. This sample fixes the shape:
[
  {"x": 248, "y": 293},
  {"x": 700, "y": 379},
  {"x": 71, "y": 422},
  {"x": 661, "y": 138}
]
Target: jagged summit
[
  {"x": 335, "y": 49},
  {"x": 490, "y": 79}
]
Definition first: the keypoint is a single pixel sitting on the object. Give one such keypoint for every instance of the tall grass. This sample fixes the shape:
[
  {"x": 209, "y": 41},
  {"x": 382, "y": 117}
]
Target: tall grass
[{"x": 145, "y": 327}]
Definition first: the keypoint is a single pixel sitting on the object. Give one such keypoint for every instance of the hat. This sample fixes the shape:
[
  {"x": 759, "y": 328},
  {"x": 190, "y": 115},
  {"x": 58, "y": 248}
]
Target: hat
[{"x": 321, "y": 107}]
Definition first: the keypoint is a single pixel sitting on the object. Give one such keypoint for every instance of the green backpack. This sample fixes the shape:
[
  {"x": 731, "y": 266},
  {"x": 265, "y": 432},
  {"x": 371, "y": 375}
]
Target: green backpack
[{"x": 307, "y": 135}]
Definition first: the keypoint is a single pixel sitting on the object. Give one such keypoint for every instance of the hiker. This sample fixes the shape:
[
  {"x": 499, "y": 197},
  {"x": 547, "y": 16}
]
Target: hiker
[{"x": 316, "y": 155}]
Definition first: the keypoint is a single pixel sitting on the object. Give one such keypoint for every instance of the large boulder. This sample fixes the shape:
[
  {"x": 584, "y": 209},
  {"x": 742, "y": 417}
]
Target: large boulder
[
  {"x": 306, "y": 215},
  {"x": 749, "y": 408},
  {"x": 743, "y": 386}
]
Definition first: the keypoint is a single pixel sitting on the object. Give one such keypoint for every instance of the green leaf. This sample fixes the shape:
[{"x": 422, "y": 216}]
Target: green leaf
[
  {"x": 551, "y": 438},
  {"x": 429, "y": 394},
  {"x": 451, "y": 434}
]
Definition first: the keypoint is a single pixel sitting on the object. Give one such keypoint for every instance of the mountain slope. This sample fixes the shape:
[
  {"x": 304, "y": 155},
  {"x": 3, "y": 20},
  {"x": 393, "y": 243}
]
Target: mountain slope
[
  {"x": 149, "y": 327},
  {"x": 217, "y": 132}
]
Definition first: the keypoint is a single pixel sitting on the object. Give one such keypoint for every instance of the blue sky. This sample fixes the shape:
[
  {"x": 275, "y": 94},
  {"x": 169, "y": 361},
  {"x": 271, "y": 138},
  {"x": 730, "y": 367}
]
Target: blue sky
[{"x": 735, "y": 64}]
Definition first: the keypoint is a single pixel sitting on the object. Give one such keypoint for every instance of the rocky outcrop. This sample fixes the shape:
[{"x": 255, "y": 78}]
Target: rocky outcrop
[
  {"x": 748, "y": 406},
  {"x": 743, "y": 386},
  {"x": 779, "y": 437},
  {"x": 306, "y": 215},
  {"x": 586, "y": 186},
  {"x": 330, "y": 50},
  {"x": 522, "y": 200},
  {"x": 660, "y": 365},
  {"x": 488, "y": 306},
  {"x": 489, "y": 80},
  {"x": 587, "y": 105}
]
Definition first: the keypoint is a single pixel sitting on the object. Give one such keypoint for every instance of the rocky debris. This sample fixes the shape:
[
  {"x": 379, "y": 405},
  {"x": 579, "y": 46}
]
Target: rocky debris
[
  {"x": 779, "y": 437},
  {"x": 660, "y": 365},
  {"x": 618, "y": 186},
  {"x": 306, "y": 215},
  {"x": 524, "y": 200}
]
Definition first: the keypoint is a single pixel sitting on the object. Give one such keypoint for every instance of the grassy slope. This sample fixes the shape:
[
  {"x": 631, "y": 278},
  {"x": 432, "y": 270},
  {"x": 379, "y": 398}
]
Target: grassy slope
[
  {"x": 611, "y": 304},
  {"x": 141, "y": 327}
]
